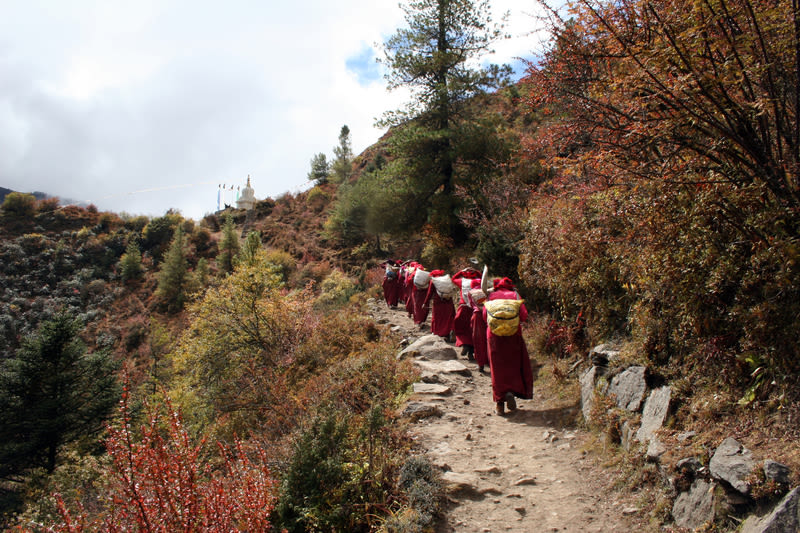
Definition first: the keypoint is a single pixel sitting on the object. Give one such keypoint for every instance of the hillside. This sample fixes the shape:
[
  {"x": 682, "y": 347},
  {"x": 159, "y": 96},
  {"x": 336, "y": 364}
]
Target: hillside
[{"x": 257, "y": 327}]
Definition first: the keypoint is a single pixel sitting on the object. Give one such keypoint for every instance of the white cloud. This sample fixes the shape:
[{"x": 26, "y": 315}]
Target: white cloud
[{"x": 102, "y": 99}]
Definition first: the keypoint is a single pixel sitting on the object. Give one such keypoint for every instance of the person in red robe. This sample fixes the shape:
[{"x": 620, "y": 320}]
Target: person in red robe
[
  {"x": 421, "y": 307},
  {"x": 443, "y": 311},
  {"x": 512, "y": 375},
  {"x": 391, "y": 284},
  {"x": 466, "y": 279},
  {"x": 478, "y": 324},
  {"x": 409, "y": 287}
]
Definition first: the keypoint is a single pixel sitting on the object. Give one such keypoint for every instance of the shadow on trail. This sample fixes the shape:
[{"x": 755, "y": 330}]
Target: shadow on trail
[{"x": 558, "y": 418}]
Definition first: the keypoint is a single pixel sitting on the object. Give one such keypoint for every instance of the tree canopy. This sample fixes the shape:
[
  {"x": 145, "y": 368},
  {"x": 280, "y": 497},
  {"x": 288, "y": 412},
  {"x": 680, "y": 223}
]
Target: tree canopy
[{"x": 52, "y": 393}]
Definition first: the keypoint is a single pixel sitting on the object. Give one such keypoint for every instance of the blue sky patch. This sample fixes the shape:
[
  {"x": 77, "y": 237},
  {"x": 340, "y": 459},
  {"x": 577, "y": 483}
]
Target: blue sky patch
[{"x": 364, "y": 66}]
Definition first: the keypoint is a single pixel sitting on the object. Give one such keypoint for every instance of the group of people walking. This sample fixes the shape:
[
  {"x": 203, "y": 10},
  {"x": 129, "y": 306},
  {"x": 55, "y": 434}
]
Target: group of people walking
[{"x": 484, "y": 322}]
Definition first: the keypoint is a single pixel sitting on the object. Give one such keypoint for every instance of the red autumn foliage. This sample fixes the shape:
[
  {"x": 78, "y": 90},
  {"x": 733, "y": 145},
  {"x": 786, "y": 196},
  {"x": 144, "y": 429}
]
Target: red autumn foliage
[{"x": 164, "y": 481}]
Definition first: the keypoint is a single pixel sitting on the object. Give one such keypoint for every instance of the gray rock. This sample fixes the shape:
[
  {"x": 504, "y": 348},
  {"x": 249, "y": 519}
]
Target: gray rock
[
  {"x": 691, "y": 464},
  {"x": 626, "y": 435},
  {"x": 601, "y": 355},
  {"x": 443, "y": 367},
  {"x": 456, "y": 482},
  {"x": 629, "y": 388},
  {"x": 784, "y": 518},
  {"x": 694, "y": 508},
  {"x": 733, "y": 463},
  {"x": 654, "y": 413},
  {"x": 430, "y": 377},
  {"x": 419, "y": 410},
  {"x": 431, "y": 388},
  {"x": 587, "y": 392},
  {"x": 777, "y": 472},
  {"x": 655, "y": 449},
  {"x": 686, "y": 435},
  {"x": 431, "y": 347}
]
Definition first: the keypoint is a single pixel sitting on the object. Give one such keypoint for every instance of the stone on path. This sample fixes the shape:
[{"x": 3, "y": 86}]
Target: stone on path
[
  {"x": 456, "y": 482},
  {"x": 430, "y": 347},
  {"x": 694, "y": 508},
  {"x": 443, "y": 367},
  {"x": 431, "y": 388},
  {"x": 784, "y": 517},
  {"x": 733, "y": 463},
  {"x": 629, "y": 388},
  {"x": 420, "y": 410}
]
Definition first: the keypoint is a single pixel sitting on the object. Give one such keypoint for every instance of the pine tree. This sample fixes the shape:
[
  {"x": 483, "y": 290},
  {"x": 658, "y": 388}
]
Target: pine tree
[
  {"x": 435, "y": 58},
  {"x": 131, "y": 262},
  {"x": 248, "y": 255},
  {"x": 173, "y": 276},
  {"x": 201, "y": 273},
  {"x": 342, "y": 165},
  {"x": 229, "y": 246},
  {"x": 320, "y": 169},
  {"x": 52, "y": 393}
]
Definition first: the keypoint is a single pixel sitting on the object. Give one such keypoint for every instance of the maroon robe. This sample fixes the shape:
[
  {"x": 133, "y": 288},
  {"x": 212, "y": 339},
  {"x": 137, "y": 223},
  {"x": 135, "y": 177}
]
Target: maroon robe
[
  {"x": 508, "y": 356},
  {"x": 479, "y": 327},
  {"x": 409, "y": 294},
  {"x": 421, "y": 308},
  {"x": 462, "y": 324},
  {"x": 443, "y": 312},
  {"x": 391, "y": 290}
]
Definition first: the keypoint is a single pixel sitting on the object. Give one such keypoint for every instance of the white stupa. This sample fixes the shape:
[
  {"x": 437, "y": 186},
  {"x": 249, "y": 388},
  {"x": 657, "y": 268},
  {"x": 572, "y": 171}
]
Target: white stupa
[{"x": 248, "y": 198}]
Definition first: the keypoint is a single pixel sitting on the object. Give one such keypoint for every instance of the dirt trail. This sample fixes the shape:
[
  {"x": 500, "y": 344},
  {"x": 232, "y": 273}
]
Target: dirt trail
[{"x": 523, "y": 472}]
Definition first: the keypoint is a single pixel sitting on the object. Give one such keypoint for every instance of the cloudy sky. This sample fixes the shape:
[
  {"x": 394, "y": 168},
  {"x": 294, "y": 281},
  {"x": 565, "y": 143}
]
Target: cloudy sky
[{"x": 146, "y": 105}]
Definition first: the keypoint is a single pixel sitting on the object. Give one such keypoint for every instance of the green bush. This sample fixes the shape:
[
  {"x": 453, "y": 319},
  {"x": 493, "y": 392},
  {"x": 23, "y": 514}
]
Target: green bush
[
  {"x": 335, "y": 290},
  {"x": 419, "y": 483},
  {"x": 19, "y": 205},
  {"x": 316, "y": 492}
]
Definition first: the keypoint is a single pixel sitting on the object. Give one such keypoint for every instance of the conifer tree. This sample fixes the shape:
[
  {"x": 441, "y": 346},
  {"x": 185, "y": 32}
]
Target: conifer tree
[
  {"x": 341, "y": 167},
  {"x": 248, "y": 255},
  {"x": 229, "y": 246},
  {"x": 320, "y": 169},
  {"x": 131, "y": 262},
  {"x": 173, "y": 276},
  {"x": 52, "y": 393},
  {"x": 201, "y": 272},
  {"x": 436, "y": 57}
]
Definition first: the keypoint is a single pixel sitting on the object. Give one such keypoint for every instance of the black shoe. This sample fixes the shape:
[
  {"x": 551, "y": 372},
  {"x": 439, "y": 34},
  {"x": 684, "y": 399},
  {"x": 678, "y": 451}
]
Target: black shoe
[{"x": 511, "y": 402}]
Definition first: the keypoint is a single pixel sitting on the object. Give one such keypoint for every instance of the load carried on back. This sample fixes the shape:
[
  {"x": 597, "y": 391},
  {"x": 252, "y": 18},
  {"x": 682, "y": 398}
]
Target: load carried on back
[
  {"x": 443, "y": 285},
  {"x": 503, "y": 316},
  {"x": 422, "y": 278}
]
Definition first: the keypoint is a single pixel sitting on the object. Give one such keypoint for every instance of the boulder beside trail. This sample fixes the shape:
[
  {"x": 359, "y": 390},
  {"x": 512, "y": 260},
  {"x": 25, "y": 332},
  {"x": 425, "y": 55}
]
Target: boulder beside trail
[
  {"x": 431, "y": 347},
  {"x": 655, "y": 411},
  {"x": 695, "y": 507},
  {"x": 629, "y": 387},
  {"x": 784, "y": 517},
  {"x": 587, "y": 392},
  {"x": 733, "y": 463}
]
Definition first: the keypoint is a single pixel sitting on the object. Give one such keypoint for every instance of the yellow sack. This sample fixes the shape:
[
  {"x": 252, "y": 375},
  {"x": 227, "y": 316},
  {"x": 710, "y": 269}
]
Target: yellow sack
[{"x": 503, "y": 316}]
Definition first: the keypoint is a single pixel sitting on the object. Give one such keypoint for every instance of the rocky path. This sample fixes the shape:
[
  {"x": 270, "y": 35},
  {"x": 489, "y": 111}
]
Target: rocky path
[{"x": 527, "y": 471}]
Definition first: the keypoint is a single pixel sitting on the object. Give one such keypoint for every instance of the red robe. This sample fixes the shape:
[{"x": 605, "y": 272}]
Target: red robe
[
  {"x": 408, "y": 291},
  {"x": 421, "y": 308},
  {"x": 479, "y": 328},
  {"x": 391, "y": 290},
  {"x": 443, "y": 312},
  {"x": 508, "y": 356},
  {"x": 461, "y": 324}
]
